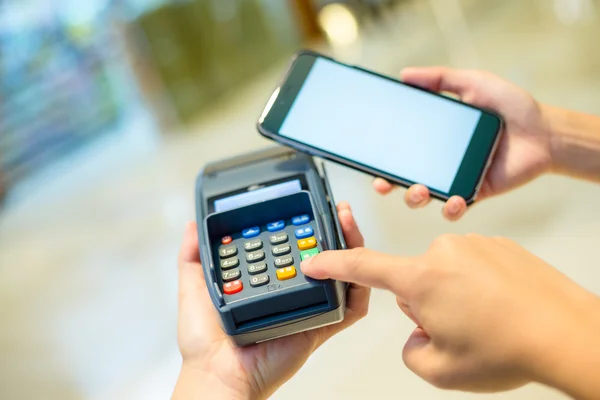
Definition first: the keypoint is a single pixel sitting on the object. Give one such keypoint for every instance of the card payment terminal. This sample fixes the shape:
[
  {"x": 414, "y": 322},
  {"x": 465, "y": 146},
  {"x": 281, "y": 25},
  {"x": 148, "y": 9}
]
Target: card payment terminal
[{"x": 259, "y": 215}]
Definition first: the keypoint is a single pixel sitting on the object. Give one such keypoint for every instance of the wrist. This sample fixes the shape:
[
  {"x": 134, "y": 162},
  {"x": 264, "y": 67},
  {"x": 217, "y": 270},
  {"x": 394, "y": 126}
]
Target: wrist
[
  {"x": 574, "y": 140},
  {"x": 194, "y": 383},
  {"x": 550, "y": 127},
  {"x": 566, "y": 356}
]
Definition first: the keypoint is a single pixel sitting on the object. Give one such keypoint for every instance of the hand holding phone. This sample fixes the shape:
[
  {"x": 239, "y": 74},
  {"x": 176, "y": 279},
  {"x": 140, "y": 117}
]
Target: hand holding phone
[
  {"x": 524, "y": 150},
  {"x": 382, "y": 126}
]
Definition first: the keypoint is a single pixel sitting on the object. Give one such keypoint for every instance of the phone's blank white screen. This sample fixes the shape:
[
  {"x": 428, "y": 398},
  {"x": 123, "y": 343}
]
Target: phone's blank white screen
[{"x": 394, "y": 128}]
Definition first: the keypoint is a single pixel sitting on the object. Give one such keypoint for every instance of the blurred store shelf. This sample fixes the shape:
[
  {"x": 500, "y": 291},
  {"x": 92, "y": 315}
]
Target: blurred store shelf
[{"x": 61, "y": 88}]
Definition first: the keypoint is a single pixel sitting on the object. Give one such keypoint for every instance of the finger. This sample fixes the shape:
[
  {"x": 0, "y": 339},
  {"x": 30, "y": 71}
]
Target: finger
[
  {"x": 382, "y": 186},
  {"x": 196, "y": 311},
  {"x": 440, "y": 79},
  {"x": 191, "y": 277},
  {"x": 350, "y": 229},
  {"x": 417, "y": 196},
  {"x": 454, "y": 208},
  {"x": 422, "y": 357},
  {"x": 363, "y": 267},
  {"x": 189, "y": 248}
]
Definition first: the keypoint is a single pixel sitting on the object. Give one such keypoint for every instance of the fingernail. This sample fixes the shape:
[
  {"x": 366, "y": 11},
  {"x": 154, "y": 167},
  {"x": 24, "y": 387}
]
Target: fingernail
[
  {"x": 305, "y": 262},
  {"x": 345, "y": 211},
  {"x": 416, "y": 197},
  {"x": 343, "y": 206},
  {"x": 453, "y": 207}
]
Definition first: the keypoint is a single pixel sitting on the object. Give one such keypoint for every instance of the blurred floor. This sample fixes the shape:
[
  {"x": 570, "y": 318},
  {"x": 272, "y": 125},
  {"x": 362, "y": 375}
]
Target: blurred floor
[{"x": 87, "y": 261}]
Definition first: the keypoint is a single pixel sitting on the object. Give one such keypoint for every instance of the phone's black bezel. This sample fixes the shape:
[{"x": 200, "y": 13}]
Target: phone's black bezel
[{"x": 472, "y": 168}]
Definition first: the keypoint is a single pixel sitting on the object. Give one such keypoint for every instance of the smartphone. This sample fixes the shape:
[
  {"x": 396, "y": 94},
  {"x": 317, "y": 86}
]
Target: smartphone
[{"x": 381, "y": 126}]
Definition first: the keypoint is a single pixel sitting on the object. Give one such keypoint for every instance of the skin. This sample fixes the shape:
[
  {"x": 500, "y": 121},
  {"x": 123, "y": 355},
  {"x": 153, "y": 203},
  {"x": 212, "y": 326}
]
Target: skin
[
  {"x": 212, "y": 367},
  {"x": 489, "y": 315}
]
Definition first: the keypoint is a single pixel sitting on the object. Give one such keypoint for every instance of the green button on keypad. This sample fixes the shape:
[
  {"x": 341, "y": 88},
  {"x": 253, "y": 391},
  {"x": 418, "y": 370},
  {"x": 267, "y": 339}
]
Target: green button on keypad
[{"x": 309, "y": 253}]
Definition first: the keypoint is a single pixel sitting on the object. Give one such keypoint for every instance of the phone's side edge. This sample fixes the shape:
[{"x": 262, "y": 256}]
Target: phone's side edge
[{"x": 490, "y": 157}]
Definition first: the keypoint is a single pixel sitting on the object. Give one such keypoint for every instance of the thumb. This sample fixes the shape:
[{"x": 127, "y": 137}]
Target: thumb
[
  {"x": 191, "y": 276},
  {"x": 196, "y": 311},
  {"x": 441, "y": 79},
  {"x": 423, "y": 358},
  {"x": 363, "y": 267}
]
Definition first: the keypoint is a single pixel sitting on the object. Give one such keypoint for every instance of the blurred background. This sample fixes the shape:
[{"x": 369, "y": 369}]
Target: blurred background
[{"x": 109, "y": 108}]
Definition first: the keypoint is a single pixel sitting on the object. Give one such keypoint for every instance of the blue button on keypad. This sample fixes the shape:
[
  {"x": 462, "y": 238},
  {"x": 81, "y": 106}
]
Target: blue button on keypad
[
  {"x": 275, "y": 226},
  {"x": 301, "y": 220},
  {"x": 251, "y": 232},
  {"x": 302, "y": 233}
]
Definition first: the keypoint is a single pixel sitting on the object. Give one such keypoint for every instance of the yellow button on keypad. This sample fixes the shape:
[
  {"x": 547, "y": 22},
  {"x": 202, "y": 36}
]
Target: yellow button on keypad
[
  {"x": 286, "y": 273},
  {"x": 308, "y": 243}
]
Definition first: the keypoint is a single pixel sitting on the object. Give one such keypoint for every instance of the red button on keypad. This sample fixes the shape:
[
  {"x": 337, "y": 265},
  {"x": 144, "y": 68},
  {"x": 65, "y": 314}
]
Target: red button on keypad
[
  {"x": 226, "y": 240},
  {"x": 233, "y": 287}
]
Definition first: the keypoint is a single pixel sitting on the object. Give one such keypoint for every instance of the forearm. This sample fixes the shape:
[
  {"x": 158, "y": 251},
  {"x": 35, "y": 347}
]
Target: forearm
[
  {"x": 575, "y": 142},
  {"x": 194, "y": 385}
]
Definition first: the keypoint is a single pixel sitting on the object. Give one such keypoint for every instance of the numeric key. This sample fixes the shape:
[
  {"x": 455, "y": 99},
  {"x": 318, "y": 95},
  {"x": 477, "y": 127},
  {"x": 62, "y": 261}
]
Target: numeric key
[
  {"x": 255, "y": 256},
  {"x": 283, "y": 261},
  {"x": 254, "y": 269},
  {"x": 229, "y": 263},
  {"x": 259, "y": 280},
  {"x": 253, "y": 245},
  {"x": 231, "y": 275},
  {"x": 278, "y": 238},
  {"x": 227, "y": 251},
  {"x": 281, "y": 249}
]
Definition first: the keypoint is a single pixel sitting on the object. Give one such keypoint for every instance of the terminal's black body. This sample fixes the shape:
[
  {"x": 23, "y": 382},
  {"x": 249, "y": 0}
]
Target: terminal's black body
[{"x": 251, "y": 252}]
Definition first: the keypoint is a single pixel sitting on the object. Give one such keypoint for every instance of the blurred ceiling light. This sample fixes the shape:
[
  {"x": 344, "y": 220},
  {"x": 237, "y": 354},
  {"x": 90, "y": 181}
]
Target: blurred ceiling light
[
  {"x": 570, "y": 12},
  {"x": 339, "y": 24}
]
